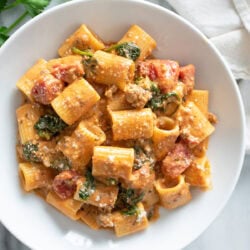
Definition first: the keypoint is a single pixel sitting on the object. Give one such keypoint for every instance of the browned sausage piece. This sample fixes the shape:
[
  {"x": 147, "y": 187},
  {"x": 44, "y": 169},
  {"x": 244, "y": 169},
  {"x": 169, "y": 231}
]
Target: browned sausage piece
[
  {"x": 64, "y": 184},
  {"x": 46, "y": 88}
]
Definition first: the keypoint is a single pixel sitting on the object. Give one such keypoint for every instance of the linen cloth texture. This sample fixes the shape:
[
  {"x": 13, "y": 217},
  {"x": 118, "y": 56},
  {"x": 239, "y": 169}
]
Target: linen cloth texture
[{"x": 227, "y": 24}]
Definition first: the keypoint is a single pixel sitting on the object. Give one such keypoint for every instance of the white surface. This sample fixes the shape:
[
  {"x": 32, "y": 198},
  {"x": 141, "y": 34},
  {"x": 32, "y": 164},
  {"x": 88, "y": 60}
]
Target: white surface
[
  {"x": 231, "y": 230},
  {"x": 244, "y": 87},
  {"x": 228, "y": 136}
]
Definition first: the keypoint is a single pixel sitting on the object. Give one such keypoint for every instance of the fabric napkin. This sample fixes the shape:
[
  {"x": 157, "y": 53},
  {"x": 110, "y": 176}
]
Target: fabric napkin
[{"x": 227, "y": 24}]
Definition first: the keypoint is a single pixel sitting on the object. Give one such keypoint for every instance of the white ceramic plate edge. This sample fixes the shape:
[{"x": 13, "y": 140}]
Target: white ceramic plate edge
[{"x": 31, "y": 22}]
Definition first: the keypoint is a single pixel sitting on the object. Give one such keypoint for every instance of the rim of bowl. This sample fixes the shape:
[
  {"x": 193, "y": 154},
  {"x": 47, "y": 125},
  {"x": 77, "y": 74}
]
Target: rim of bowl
[{"x": 36, "y": 19}]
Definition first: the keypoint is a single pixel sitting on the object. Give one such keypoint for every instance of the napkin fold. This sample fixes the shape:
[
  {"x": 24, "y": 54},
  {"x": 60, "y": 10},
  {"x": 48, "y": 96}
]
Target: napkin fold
[{"x": 227, "y": 24}]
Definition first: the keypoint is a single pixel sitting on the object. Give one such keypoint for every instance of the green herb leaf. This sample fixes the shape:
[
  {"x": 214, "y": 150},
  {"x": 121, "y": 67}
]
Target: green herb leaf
[
  {"x": 3, "y": 35},
  {"x": 2, "y": 4},
  {"x": 49, "y": 125},
  {"x": 88, "y": 187},
  {"x": 89, "y": 178},
  {"x": 3, "y": 39},
  {"x": 3, "y": 30},
  {"x": 132, "y": 210},
  {"x": 168, "y": 103},
  {"x": 61, "y": 164},
  {"x": 82, "y": 52},
  {"x": 34, "y": 7},
  {"x": 89, "y": 62},
  {"x": 157, "y": 99},
  {"x": 90, "y": 65},
  {"x": 112, "y": 181},
  {"x": 137, "y": 198},
  {"x": 84, "y": 194},
  {"x": 138, "y": 80},
  {"x": 30, "y": 151},
  {"x": 154, "y": 89},
  {"x": 142, "y": 157},
  {"x": 171, "y": 103},
  {"x": 127, "y": 49},
  {"x": 127, "y": 198}
]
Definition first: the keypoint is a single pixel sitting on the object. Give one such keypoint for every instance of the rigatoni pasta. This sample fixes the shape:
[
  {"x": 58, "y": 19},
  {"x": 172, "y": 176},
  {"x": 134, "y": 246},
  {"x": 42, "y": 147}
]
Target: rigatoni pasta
[
  {"x": 78, "y": 147},
  {"x": 69, "y": 207},
  {"x": 143, "y": 40},
  {"x": 111, "y": 69},
  {"x": 26, "y": 82},
  {"x": 173, "y": 193},
  {"x": 108, "y": 134},
  {"x": 83, "y": 38},
  {"x": 75, "y": 100},
  {"x": 101, "y": 195},
  {"x": 132, "y": 124},
  {"x": 113, "y": 162},
  {"x": 194, "y": 125},
  {"x": 34, "y": 176},
  {"x": 124, "y": 225},
  {"x": 118, "y": 102},
  {"x": 199, "y": 173},
  {"x": 165, "y": 134},
  {"x": 27, "y": 115},
  {"x": 89, "y": 215},
  {"x": 200, "y": 99}
]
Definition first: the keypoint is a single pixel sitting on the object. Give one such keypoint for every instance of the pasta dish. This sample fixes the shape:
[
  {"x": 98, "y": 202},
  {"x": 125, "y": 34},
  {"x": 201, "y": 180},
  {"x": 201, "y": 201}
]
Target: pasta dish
[{"x": 107, "y": 133}]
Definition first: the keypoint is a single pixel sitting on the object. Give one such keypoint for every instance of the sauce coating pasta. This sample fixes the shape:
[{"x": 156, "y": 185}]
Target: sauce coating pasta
[{"x": 108, "y": 134}]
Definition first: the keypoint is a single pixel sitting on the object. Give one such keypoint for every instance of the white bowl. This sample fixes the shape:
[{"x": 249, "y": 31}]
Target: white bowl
[{"x": 39, "y": 225}]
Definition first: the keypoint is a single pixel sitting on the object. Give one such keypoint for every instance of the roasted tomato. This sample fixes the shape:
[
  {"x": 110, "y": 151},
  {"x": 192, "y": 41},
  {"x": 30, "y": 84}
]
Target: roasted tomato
[
  {"x": 176, "y": 161},
  {"x": 164, "y": 72},
  {"x": 187, "y": 77},
  {"x": 67, "y": 69}
]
